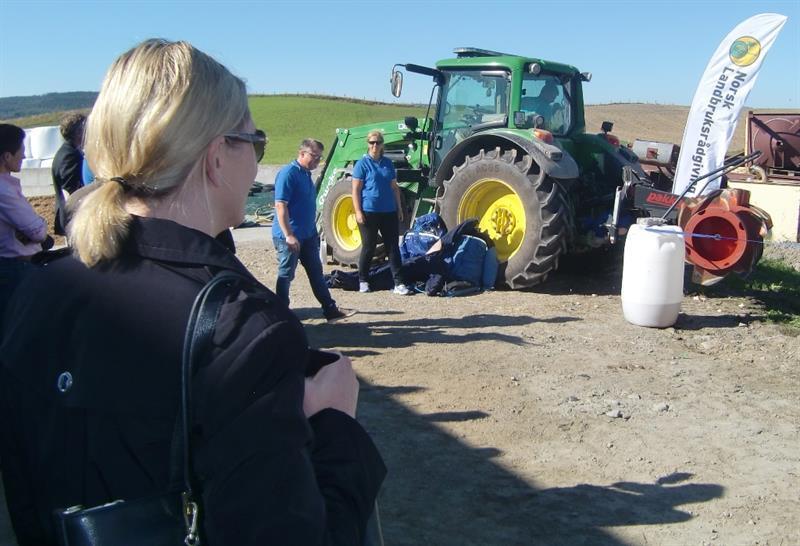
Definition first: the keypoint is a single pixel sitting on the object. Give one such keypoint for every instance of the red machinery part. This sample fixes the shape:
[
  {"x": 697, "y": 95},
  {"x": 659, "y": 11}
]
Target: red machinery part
[{"x": 723, "y": 233}]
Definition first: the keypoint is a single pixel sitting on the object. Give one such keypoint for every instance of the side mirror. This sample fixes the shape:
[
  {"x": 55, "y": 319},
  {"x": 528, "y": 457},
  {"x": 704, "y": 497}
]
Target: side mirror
[
  {"x": 586, "y": 76},
  {"x": 397, "y": 82},
  {"x": 519, "y": 118},
  {"x": 606, "y": 126},
  {"x": 412, "y": 123}
]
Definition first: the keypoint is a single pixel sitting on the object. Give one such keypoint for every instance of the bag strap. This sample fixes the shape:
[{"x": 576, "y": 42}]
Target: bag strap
[{"x": 199, "y": 331}]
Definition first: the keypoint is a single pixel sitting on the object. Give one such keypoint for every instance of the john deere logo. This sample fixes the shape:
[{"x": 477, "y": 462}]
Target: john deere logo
[{"x": 745, "y": 51}]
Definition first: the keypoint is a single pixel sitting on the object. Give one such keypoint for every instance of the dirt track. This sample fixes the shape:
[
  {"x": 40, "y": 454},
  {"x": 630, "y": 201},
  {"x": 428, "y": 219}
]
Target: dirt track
[{"x": 494, "y": 414}]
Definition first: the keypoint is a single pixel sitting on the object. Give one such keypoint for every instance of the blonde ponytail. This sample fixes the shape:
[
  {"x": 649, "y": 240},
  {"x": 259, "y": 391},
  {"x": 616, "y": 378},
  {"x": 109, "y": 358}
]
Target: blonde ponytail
[
  {"x": 159, "y": 107},
  {"x": 100, "y": 225}
]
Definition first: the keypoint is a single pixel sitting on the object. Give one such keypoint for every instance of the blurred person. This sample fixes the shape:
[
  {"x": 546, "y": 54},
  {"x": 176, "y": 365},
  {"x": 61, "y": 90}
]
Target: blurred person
[
  {"x": 545, "y": 104},
  {"x": 280, "y": 457},
  {"x": 67, "y": 169},
  {"x": 379, "y": 209},
  {"x": 22, "y": 231},
  {"x": 294, "y": 230}
]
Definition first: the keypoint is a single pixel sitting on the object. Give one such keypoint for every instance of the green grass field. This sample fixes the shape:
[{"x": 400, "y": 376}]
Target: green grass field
[{"x": 289, "y": 119}]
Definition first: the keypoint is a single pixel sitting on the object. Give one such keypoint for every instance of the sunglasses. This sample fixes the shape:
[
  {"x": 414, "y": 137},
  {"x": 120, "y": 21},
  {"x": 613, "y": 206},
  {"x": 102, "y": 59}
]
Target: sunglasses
[
  {"x": 258, "y": 139},
  {"x": 375, "y": 142}
]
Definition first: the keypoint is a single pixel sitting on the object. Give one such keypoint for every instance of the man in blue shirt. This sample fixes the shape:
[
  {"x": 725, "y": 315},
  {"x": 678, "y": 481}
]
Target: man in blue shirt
[{"x": 294, "y": 230}]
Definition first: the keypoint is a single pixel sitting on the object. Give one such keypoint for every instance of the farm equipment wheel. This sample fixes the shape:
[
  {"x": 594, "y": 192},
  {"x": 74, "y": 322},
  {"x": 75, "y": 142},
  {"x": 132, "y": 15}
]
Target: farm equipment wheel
[
  {"x": 518, "y": 206},
  {"x": 340, "y": 227}
]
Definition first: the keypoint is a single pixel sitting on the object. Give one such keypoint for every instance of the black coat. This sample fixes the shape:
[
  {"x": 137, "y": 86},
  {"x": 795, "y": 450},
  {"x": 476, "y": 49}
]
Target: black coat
[
  {"x": 270, "y": 476},
  {"x": 67, "y": 169}
]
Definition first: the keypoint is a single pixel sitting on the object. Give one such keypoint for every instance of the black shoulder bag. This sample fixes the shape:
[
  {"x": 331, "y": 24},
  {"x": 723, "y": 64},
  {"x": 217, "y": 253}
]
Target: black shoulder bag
[{"x": 173, "y": 518}]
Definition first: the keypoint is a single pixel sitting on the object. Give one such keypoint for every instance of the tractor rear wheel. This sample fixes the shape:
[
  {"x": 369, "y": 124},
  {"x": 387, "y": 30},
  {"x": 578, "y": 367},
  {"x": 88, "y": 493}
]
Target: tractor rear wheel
[
  {"x": 339, "y": 226},
  {"x": 523, "y": 211}
]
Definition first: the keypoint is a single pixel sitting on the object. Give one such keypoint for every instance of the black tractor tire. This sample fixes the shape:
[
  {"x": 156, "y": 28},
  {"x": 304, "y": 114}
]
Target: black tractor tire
[
  {"x": 522, "y": 210},
  {"x": 339, "y": 226}
]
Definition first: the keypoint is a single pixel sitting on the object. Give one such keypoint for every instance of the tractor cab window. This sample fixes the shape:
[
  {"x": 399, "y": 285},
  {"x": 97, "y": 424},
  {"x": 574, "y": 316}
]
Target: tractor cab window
[
  {"x": 470, "y": 101},
  {"x": 545, "y": 95},
  {"x": 474, "y": 98}
]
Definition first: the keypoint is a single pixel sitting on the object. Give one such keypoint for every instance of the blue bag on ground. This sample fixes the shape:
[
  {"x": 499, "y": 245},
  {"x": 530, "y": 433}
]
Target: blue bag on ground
[
  {"x": 426, "y": 230},
  {"x": 490, "y": 267},
  {"x": 466, "y": 262}
]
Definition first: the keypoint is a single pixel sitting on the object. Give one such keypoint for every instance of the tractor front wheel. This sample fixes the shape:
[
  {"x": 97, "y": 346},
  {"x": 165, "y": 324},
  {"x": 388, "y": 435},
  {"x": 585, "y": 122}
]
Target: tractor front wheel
[
  {"x": 339, "y": 223},
  {"x": 340, "y": 228},
  {"x": 520, "y": 208}
]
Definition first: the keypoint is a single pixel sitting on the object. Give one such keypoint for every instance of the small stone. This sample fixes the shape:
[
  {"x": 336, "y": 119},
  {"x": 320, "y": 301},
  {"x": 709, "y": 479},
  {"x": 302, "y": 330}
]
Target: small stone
[
  {"x": 615, "y": 403},
  {"x": 663, "y": 406},
  {"x": 742, "y": 325},
  {"x": 751, "y": 522},
  {"x": 572, "y": 398},
  {"x": 741, "y": 306},
  {"x": 609, "y": 445},
  {"x": 514, "y": 378},
  {"x": 634, "y": 396},
  {"x": 615, "y": 414}
]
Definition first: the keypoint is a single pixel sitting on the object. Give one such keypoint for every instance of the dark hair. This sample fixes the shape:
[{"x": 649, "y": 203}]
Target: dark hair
[
  {"x": 11, "y": 138},
  {"x": 71, "y": 125}
]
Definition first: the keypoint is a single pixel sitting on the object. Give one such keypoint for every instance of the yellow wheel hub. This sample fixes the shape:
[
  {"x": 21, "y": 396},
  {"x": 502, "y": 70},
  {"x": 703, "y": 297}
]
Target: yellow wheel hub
[
  {"x": 500, "y": 213},
  {"x": 345, "y": 227}
]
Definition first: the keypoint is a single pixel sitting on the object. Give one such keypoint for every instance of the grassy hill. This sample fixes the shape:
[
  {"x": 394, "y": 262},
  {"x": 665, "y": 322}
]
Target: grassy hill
[
  {"x": 288, "y": 119},
  {"x": 17, "y": 107}
]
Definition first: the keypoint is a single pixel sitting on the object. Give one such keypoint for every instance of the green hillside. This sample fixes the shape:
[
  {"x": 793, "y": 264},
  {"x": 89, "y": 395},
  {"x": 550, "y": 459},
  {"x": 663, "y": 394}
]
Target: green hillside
[
  {"x": 289, "y": 119},
  {"x": 17, "y": 107}
]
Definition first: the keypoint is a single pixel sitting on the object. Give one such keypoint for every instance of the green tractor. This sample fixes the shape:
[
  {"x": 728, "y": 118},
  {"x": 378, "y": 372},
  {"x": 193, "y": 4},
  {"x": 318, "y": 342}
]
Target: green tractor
[{"x": 504, "y": 140}]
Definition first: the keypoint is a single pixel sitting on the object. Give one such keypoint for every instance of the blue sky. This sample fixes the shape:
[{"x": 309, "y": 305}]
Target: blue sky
[{"x": 637, "y": 51}]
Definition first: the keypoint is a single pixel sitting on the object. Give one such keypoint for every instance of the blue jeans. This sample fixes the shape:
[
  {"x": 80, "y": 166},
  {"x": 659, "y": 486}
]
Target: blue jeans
[{"x": 309, "y": 257}]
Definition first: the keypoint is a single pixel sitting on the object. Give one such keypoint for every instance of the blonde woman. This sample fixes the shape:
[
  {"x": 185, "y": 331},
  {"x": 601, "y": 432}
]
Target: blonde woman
[
  {"x": 379, "y": 209},
  {"x": 91, "y": 408}
]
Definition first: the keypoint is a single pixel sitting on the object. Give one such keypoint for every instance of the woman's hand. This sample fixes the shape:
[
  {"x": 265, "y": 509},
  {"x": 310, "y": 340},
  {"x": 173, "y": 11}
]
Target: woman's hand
[
  {"x": 360, "y": 217},
  {"x": 335, "y": 386}
]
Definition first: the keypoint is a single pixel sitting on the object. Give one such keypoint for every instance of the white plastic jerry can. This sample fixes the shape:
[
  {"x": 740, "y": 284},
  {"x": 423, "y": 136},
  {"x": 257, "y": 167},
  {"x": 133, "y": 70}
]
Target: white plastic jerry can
[{"x": 652, "y": 273}]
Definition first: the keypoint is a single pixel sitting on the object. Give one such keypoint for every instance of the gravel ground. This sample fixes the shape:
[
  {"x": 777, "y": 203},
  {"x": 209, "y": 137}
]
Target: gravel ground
[{"x": 542, "y": 417}]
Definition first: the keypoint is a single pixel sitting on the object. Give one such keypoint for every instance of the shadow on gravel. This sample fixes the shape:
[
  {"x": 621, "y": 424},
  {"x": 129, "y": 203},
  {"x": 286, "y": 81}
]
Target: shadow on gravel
[
  {"x": 394, "y": 334},
  {"x": 441, "y": 491},
  {"x": 597, "y": 272},
  {"x": 698, "y": 322}
]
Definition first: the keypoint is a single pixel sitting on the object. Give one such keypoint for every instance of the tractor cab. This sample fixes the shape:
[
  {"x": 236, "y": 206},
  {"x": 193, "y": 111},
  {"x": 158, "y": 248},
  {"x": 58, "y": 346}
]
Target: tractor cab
[{"x": 482, "y": 90}]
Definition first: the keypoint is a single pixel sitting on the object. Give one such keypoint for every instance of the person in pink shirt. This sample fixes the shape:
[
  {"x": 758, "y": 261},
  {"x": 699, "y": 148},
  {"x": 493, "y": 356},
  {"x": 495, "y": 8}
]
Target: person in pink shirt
[{"x": 22, "y": 231}]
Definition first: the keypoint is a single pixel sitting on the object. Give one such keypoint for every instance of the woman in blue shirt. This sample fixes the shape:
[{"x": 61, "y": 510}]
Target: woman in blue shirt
[{"x": 378, "y": 206}]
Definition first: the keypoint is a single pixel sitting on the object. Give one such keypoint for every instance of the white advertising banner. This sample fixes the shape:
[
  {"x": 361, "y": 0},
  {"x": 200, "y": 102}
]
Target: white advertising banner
[{"x": 719, "y": 98}]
